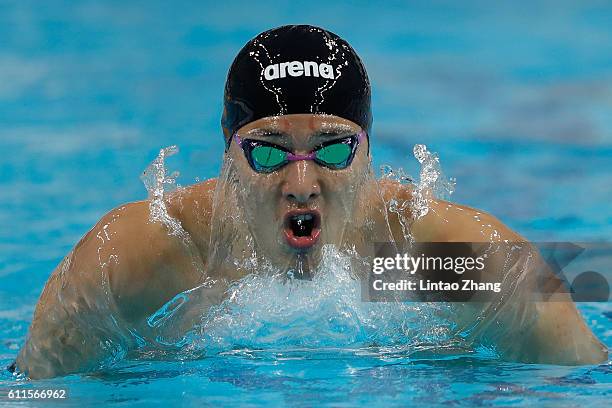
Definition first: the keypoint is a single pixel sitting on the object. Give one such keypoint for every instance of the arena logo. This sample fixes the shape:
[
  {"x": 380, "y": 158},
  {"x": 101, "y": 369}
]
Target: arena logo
[{"x": 297, "y": 69}]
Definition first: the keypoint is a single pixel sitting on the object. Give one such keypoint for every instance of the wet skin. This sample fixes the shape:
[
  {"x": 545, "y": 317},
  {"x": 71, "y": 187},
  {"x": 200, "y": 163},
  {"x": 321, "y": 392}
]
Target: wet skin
[
  {"x": 269, "y": 200},
  {"x": 128, "y": 267}
]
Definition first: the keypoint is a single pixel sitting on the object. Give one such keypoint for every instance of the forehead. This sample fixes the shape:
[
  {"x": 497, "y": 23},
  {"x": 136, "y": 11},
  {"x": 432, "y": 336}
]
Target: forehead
[{"x": 302, "y": 123}]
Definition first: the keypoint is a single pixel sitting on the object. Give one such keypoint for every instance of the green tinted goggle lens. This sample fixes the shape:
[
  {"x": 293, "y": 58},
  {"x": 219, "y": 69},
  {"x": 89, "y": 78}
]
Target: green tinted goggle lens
[
  {"x": 335, "y": 154},
  {"x": 268, "y": 157}
]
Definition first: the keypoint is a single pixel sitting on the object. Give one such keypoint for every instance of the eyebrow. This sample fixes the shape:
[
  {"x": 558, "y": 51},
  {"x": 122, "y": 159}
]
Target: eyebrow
[
  {"x": 266, "y": 132},
  {"x": 329, "y": 132}
]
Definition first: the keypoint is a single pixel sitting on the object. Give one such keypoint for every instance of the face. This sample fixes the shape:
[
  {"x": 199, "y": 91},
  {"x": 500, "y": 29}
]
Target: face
[{"x": 292, "y": 211}]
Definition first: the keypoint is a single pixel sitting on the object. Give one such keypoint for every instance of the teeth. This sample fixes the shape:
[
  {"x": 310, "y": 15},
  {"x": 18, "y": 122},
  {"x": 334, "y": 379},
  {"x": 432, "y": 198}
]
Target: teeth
[
  {"x": 303, "y": 217},
  {"x": 302, "y": 224}
]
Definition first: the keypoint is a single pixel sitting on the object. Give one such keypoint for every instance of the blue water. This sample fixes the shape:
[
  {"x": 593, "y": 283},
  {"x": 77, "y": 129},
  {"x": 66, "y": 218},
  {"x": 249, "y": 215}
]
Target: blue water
[{"x": 515, "y": 98}]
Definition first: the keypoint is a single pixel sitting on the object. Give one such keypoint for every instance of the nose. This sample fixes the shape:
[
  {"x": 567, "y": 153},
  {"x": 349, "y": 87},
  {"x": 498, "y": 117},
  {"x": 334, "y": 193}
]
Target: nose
[{"x": 301, "y": 184}]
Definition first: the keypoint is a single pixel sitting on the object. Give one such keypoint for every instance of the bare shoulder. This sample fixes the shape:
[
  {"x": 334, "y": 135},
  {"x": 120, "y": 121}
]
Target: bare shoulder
[
  {"x": 172, "y": 263},
  {"x": 145, "y": 263},
  {"x": 127, "y": 264},
  {"x": 446, "y": 221},
  {"x": 193, "y": 206},
  {"x": 558, "y": 334},
  {"x": 124, "y": 252},
  {"x": 460, "y": 223}
]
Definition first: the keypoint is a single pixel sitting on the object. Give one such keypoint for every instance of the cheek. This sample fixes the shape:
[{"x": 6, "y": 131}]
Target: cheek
[
  {"x": 259, "y": 194},
  {"x": 253, "y": 187},
  {"x": 337, "y": 184},
  {"x": 265, "y": 189},
  {"x": 345, "y": 183}
]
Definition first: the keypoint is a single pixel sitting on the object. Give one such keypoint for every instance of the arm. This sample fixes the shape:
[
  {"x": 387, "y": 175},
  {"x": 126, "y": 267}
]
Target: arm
[
  {"x": 537, "y": 332},
  {"x": 547, "y": 332},
  {"x": 559, "y": 336},
  {"x": 120, "y": 272}
]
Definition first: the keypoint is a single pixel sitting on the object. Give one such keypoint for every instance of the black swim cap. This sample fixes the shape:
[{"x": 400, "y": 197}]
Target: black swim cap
[{"x": 295, "y": 69}]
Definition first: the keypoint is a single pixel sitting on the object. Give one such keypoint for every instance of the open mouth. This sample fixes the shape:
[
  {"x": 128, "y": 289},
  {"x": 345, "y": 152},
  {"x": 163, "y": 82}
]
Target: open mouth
[{"x": 302, "y": 228}]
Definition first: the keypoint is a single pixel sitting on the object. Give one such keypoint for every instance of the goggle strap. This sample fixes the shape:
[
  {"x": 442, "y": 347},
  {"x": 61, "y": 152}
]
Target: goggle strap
[
  {"x": 361, "y": 136},
  {"x": 238, "y": 139}
]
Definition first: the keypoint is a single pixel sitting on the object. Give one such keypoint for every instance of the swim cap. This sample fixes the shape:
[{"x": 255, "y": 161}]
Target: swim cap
[{"x": 295, "y": 69}]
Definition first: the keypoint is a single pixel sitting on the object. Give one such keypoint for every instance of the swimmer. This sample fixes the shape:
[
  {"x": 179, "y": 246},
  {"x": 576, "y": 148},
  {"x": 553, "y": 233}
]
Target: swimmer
[{"x": 296, "y": 176}]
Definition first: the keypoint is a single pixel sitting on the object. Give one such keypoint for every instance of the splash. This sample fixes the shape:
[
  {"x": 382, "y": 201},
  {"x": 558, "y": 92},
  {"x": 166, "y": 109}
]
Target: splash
[
  {"x": 266, "y": 309},
  {"x": 270, "y": 312},
  {"x": 158, "y": 183},
  {"x": 432, "y": 184}
]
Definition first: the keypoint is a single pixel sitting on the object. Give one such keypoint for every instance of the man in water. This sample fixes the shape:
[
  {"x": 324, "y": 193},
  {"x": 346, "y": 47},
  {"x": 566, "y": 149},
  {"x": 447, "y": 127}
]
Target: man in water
[{"x": 296, "y": 177}]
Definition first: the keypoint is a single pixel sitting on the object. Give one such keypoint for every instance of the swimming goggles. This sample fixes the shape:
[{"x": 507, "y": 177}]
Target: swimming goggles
[{"x": 264, "y": 157}]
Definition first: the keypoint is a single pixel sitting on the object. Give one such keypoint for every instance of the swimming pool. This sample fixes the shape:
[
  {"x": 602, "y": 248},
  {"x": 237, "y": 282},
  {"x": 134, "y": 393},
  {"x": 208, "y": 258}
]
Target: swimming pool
[{"x": 515, "y": 100}]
